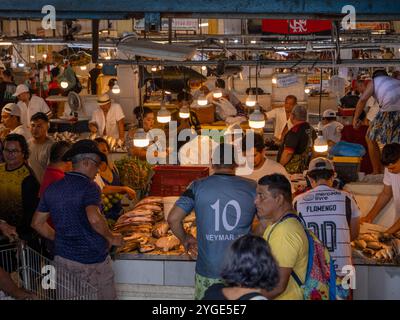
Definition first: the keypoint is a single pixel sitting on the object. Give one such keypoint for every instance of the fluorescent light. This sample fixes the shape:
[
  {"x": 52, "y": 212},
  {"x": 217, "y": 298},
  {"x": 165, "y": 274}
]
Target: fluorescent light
[
  {"x": 251, "y": 100},
  {"x": 236, "y": 41},
  {"x": 205, "y": 24},
  {"x": 257, "y": 120},
  {"x": 140, "y": 139},
  {"x": 83, "y": 68},
  {"x": 21, "y": 65},
  {"x": 6, "y": 44},
  {"x": 163, "y": 115},
  {"x": 32, "y": 57},
  {"x": 221, "y": 41},
  {"x": 274, "y": 80},
  {"x": 116, "y": 89},
  {"x": 253, "y": 41},
  {"x": 108, "y": 58},
  {"x": 282, "y": 53}
]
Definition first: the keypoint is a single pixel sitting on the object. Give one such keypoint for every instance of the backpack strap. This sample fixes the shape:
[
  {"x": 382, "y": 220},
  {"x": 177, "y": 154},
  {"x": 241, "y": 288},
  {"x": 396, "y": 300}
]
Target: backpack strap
[{"x": 301, "y": 220}]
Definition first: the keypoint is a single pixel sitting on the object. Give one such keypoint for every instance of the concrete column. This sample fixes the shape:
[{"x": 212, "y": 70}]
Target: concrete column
[{"x": 128, "y": 79}]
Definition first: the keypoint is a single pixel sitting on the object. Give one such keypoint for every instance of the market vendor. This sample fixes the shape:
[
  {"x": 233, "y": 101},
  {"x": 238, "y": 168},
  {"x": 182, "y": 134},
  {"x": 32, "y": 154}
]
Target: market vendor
[
  {"x": 282, "y": 118},
  {"x": 391, "y": 186},
  {"x": 111, "y": 182},
  {"x": 145, "y": 117},
  {"x": 11, "y": 118},
  {"x": 257, "y": 164},
  {"x": 295, "y": 151},
  {"x": 30, "y": 104},
  {"x": 108, "y": 119},
  {"x": 331, "y": 129}
]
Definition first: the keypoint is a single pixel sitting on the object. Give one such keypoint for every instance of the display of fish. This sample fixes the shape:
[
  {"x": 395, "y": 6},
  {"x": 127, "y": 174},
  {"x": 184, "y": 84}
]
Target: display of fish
[
  {"x": 168, "y": 243},
  {"x": 150, "y": 200},
  {"x": 160, "y": 229}
]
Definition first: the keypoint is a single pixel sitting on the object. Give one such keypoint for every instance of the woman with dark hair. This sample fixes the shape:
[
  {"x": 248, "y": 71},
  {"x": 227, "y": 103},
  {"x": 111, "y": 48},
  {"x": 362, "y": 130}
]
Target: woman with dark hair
[
  {"x": 145, "y": 117},
  {"x": 111, "y": 182},
  {"x": 249, "y": 267}
]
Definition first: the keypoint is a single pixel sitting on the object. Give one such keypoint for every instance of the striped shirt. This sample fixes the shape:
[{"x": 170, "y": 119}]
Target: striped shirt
[{"x": 328, "y": 212}]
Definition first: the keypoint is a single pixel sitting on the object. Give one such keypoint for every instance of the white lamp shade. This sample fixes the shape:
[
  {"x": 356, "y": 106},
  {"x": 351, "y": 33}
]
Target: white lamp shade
[
  {"x": 64, "y": 84},
  {"x": 184, "y": 113},
  {"x": 257, "y": 120},
  {"x": 140, "y": 139},
  {"x": 202, "y": 100},
  {"x": 320, "y": 144},
  {"x": 217, "y": 93},
  {"x": 163, "y": 115},
  {"x": 251, "y": 101},
  {"x": 115, "y": 89}
]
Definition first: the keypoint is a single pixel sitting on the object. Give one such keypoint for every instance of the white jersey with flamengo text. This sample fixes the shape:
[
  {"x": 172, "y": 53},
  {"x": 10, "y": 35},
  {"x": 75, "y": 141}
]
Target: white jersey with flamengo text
[{"x": 328, "y": 212}]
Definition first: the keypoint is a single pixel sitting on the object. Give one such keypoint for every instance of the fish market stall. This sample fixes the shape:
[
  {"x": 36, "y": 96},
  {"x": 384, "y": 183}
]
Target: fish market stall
[
  {"x": 152, "y": 257},
  {"x": 376, "y": 255}
]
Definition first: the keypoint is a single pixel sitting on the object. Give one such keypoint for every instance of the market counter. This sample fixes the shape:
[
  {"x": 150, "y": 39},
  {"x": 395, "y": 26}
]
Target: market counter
[{"x": 141, "y": 276}]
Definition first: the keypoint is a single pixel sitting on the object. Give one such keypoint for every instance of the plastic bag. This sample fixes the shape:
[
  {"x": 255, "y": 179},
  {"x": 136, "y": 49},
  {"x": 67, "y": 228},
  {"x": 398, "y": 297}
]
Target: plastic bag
[{"x": 347, "y": 149}]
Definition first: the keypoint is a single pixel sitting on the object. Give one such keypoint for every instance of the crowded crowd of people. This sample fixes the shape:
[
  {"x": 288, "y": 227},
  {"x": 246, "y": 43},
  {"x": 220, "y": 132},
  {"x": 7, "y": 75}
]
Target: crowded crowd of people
[{"x": 246, "y": 247}]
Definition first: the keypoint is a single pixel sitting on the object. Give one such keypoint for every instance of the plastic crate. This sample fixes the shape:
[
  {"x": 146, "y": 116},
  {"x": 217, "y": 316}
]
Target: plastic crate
[
  {"x": 173, "y": 180},
  {"x": 347, "y": 168}
]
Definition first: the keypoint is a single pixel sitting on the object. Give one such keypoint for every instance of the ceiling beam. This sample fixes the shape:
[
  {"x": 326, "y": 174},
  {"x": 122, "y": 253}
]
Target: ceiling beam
[{"x": 122, "y": 9}]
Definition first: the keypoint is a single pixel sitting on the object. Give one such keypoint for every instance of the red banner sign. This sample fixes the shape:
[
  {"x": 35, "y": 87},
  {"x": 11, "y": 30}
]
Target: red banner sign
[{"x": 295, "y": 26}]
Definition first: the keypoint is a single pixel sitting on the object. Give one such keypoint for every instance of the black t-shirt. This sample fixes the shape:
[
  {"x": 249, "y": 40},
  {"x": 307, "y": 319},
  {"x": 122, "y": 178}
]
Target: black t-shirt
[
  {"x": 214, "y": 292},
  {"x": 7, "y": 89},
  {"x": 298, "y": 139}
]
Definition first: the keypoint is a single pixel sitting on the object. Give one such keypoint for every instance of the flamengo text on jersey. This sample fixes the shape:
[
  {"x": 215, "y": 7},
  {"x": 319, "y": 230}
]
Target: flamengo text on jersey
[{"x": 331, "y": 207}]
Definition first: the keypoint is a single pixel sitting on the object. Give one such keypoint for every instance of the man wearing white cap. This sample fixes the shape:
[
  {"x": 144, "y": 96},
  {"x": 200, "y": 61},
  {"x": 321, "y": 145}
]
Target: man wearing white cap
[
  {"x": 331, "y": 129},
  {"x": 30, "y": 104},
  {"x": 108, "y": 119},
  {"x": 333, "y": 215},
  {"x": 11, "y": 118}
]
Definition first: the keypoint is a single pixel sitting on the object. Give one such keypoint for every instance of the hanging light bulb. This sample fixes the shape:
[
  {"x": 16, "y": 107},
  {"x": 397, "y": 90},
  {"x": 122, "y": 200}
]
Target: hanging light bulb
[
  {"x": 202, "y": 100},
  {"x": 274, "y": 80},
  {"x": 44, "y": 56},
  {"x": 251, "y": 100},
  {"x": 108, "y": 57},
  {"x": 64, "y": 84},
  {"x": 83, "y": 68},
  {"x": 253, "y": 41},
  {"x": 167, "y": 92},
  {"x": 101, "y": 65},
  {"x": 163, "y": 115},
  {"x": 21, "y": 65},
  {"x": 307, "y": 90},
  {"x": 320, "y": 144},
  {"x": 204, "y": 68},
  {"x": 257, "y": 119},
  {"x": 184, "y": 112},
  {"x": 217, "y": 93},
  {"x": 32, "y": 56},
  {"x": 140, "y": 138},
  {"x": 115, "y": 89},
  {"x": 153, "y": 68}
]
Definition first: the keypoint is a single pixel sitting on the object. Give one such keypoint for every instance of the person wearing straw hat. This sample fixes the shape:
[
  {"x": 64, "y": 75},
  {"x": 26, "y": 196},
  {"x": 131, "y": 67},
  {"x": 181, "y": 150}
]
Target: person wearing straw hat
[
  {"x": 11, "y": 118},
  {"x": 30, "y": 104},
  {"x": 108, "y": 119}
]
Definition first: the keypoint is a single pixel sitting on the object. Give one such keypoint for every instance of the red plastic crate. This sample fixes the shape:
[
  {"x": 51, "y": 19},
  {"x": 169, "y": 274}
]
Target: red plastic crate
[
  {"x": 173, "y": 180},
  {"x": 346, "y": 112}
]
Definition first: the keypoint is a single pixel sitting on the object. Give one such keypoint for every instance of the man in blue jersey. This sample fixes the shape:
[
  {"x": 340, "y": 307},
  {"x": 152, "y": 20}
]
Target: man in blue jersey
[{"x": 224, "y": 208}]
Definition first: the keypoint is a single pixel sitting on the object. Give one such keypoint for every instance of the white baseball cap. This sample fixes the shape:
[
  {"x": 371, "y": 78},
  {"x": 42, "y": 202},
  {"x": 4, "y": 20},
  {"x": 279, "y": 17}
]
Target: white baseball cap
[
  {"x": 320, "y": 163},
  {"x": 21, "y": 89},
  {"x": 12, "y": 109},
  {"x": 329, "y": 113}
]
